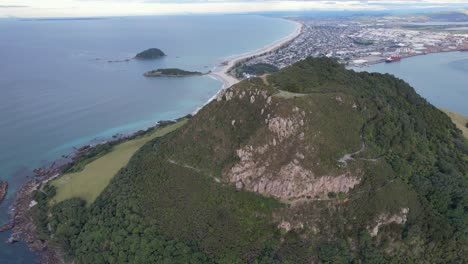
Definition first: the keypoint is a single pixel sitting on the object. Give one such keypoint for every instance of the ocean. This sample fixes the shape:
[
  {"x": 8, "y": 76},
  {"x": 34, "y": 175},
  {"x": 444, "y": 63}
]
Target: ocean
[
  {"x": 58, "y": 90},
  {"x": 441, "y": 78}
]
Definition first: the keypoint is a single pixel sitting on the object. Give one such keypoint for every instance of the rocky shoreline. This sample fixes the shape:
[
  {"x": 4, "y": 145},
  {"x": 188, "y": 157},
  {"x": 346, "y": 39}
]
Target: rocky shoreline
[
  {"x": 3, "y": 190},
  {"x": 21, "y": 223}
]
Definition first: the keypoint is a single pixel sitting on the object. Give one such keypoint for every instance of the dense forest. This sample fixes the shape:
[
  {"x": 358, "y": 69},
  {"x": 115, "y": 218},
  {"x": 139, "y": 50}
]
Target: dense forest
[
  {"x": 149, "y": 54},
  {"x": 176, "y": 202},
  {"x": 255, "y": 69}
]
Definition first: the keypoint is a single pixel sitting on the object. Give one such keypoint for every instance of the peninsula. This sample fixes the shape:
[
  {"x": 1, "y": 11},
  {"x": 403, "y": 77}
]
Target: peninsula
[
  {"x": 150, "y": 54},
  {"x": 171, "y": 72},
  {"x": 222, "y": 186}
]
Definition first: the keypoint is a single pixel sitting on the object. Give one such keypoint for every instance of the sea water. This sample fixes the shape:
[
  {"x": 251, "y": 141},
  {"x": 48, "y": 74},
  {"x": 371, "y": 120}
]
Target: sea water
[
  {"x": 58, "y": 89},
  {"x": 441, "y": 78}
]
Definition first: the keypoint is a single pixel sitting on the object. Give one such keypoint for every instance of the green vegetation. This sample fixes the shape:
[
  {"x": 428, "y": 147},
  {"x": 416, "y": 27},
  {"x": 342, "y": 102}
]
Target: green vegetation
[
  {"x": 94, "y": 153},
  {"x": 150, "y": 54},
  {"x": 423, "y": 157},
  {"x": 363, "y": 42},
  {"x": 40, "y": 211},
  {"x": 341, "y": 195},
  {"x": 460, "y": 120},
  {"x": 172, "y": 203},
  {"x": 256, "y": 69},
  {"x": 90, "y": 180},
  {"x": 171, "y": 72}
]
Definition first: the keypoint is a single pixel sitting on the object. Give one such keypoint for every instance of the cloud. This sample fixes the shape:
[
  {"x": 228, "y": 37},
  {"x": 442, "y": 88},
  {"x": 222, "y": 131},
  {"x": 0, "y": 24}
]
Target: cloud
[
  {"x": 13, "y": 6},
  {"x": 79, "y": 8}
]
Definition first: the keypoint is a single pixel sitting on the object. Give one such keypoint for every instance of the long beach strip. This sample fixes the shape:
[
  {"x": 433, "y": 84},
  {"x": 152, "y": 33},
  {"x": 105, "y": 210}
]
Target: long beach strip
[{"x": 221, "y": 72}]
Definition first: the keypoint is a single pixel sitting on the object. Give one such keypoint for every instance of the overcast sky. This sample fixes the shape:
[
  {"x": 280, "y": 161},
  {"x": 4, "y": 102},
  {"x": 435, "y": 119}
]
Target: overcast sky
[{"x": 79, "y": 8}]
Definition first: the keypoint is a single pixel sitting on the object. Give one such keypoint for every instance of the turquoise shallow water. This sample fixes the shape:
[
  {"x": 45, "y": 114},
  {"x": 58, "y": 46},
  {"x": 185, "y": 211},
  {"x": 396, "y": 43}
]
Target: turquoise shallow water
[
  {"x": 441, "y": 78},
  {"x": 58, "y": 91}
]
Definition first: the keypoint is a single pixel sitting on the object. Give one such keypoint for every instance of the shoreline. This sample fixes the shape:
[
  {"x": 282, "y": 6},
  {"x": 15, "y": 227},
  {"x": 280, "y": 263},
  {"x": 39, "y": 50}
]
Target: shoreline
[
  {"x": 221, "y": 72},
  {"x": 369, "y": 64},
  {"x": 21, "y": 225}
]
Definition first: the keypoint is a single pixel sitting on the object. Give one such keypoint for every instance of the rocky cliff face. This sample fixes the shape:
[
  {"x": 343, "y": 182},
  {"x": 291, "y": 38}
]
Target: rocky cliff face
[
  {"x": 279, "y": 158},
  {"x": 386, "y": 219}
]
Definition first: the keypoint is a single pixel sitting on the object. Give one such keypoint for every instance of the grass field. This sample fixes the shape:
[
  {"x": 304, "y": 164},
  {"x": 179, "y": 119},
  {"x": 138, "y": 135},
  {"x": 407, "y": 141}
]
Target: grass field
[
  {"x": 91, "y": 181},
  {"x": 459, "y": 120}
]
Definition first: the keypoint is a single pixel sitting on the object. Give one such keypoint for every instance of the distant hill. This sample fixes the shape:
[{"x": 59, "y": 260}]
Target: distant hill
[
  {"x": 313, "y": 164},
  {"x": 150, "y": 54},
  {"x": 452, "y": 16}
]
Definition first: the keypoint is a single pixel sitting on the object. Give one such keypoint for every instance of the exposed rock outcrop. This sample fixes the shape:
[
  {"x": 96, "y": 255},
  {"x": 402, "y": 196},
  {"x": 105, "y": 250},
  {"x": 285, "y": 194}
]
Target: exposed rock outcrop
[
  {"x": 292, "y": 181},
  {"x": 260, "y": 170},
  {"x": 3, "y": 190},
  {"x": 386, "y": 219},
  {"x": 256, "y": 171}
]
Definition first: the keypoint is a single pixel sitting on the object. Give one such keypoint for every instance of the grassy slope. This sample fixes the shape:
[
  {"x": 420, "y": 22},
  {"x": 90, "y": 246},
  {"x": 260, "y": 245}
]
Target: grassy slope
[
  {"x": 459, "y": 120},
  {"x": 89, "y": 183}
]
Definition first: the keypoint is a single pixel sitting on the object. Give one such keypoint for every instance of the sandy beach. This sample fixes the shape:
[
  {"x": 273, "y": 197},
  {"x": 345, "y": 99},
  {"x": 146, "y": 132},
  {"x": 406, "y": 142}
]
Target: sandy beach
[{"x": 221, "y": 71}]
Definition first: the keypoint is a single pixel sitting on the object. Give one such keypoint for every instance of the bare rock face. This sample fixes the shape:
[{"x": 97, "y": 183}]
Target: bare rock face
[
  {"x": 282, "y": 127},
  {"x": 386, "y": 219},
  {"x": 226, "y": 94},
  {"x": 276, "y": 162},
  {"x": 220, "y": 95},
  {"x": 292, "y": 181},
  {"x": 256, "y": 170},
  {"x": 285, "y": 225}
]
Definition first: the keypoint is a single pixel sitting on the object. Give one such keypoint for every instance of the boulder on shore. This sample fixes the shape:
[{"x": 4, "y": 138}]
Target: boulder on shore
[{"x": 3, "y": 190}]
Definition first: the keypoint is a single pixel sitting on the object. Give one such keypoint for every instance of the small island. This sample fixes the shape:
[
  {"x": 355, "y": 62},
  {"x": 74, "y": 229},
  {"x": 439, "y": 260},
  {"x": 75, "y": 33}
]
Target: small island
[
  {"x": 150, "y": 54},
  {"x": 172, "y": 72}
]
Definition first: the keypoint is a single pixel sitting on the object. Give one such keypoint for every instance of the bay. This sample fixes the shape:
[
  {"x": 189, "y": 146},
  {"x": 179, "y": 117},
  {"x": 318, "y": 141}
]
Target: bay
[{"x": 441, "y": 78}]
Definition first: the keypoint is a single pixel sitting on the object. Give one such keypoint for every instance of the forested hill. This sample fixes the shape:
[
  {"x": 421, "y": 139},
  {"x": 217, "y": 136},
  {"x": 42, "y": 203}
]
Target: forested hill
[
  {"x": 311, "y": 164},
  {"x": 150, "y": 54}
]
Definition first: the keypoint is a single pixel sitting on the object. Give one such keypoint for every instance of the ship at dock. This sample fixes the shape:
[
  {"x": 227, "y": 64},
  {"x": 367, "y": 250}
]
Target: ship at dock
[{"x": 393, "y": 58}]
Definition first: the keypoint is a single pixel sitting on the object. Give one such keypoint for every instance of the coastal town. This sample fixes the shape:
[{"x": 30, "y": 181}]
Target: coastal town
[{"x": 359, "y": 43}]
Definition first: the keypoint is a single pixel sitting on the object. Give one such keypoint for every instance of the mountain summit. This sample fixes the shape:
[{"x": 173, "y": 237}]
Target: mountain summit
[{"x": 312, "y": 164}]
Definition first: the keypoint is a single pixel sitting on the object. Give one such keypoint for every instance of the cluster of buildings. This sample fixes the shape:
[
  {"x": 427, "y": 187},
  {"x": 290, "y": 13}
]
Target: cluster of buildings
[{"x": 360, "y": 43}]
